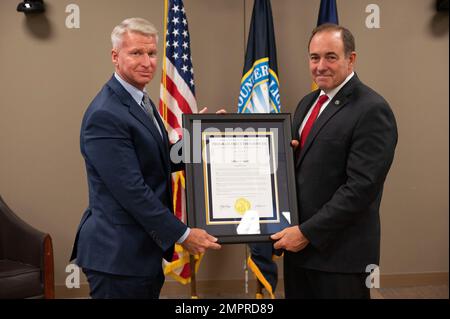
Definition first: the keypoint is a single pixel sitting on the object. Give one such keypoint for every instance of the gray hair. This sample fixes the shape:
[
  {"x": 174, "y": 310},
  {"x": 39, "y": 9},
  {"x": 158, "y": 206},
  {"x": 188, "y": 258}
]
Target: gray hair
[{"x": 138, "y": 25}]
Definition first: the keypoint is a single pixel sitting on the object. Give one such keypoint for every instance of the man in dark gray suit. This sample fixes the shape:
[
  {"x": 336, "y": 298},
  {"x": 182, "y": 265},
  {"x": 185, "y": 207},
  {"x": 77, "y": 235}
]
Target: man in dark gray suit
[
  {"x": 129, "y": 225},
  {"x": 345, "y": 136}
]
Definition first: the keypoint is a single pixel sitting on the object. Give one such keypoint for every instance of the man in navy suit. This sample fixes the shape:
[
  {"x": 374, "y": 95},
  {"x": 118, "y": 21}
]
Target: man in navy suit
[
  {"x": 129, "y": 225},
  {"x": 345, "y": 136}
]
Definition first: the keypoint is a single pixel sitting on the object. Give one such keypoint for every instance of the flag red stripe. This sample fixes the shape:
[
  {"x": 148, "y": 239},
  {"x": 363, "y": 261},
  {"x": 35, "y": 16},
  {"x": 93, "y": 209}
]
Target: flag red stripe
[
  {"x": 186, "y": 272},
  {"x": 171, "y": 117},
  {"x": 173, "y": 89}
]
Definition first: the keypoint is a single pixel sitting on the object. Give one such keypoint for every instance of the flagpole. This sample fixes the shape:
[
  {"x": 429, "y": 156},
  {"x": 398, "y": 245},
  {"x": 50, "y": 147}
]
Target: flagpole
[
  {"x": 246, "y": 270},
  {"x": 164, "y": 106},
  {"x": 193, "y": 281},
  {"x": 260, "y": 54},
  {"x": 170, "y": 97},
  {"x": 259, "y": 290}
]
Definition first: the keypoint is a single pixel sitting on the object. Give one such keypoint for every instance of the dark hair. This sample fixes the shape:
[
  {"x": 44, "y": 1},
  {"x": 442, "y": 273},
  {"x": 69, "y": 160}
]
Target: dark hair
[{"x": 346, "y": 35}]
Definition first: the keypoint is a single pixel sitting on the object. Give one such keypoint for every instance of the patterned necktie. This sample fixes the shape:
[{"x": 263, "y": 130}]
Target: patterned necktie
[
  {"x": 150, "y": 110},
  {"x": 312, "y": 118}
]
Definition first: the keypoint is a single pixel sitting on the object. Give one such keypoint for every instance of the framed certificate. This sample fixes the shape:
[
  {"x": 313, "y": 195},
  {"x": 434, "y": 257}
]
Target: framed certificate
[{"x": 240, "y": 178}]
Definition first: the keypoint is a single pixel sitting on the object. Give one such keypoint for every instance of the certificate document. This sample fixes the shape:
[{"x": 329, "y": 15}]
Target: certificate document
[{"x": 239, "y": 176}]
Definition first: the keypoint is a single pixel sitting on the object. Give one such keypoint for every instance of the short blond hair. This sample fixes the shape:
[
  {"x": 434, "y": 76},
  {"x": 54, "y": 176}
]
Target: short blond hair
[{"x": 138, "y": 25}]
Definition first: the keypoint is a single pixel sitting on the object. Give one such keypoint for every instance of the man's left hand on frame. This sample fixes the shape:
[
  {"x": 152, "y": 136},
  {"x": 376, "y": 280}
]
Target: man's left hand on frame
[{"x": 290, "y": 239}]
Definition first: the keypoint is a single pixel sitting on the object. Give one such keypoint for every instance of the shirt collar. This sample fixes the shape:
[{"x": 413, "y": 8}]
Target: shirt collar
[
  {"x": 334, "y": 91},
  {"x": 134, "y": 92}
]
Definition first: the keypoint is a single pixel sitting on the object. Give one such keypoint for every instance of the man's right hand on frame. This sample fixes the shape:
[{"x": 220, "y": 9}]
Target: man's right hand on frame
[
  {"x": 205, "y": 110},
  {"x": 199, "y": 240}
]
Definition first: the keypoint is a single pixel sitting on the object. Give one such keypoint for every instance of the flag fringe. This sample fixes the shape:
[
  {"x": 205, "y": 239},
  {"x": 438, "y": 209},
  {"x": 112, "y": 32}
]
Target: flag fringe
[{"x": 260, "y": 277}]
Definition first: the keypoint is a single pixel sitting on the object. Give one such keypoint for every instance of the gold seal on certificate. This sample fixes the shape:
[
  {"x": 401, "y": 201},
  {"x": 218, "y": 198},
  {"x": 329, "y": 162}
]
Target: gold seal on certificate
[{"x": 242, "y": 205}]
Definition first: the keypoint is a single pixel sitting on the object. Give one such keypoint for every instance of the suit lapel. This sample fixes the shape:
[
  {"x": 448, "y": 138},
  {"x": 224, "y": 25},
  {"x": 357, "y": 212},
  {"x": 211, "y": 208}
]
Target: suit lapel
[
  {"x": 339, "y": 101},
  {"x": 142, "y": 117},
  {"x": 138, "y": 113},
  {"x": 302, "y": 113}
]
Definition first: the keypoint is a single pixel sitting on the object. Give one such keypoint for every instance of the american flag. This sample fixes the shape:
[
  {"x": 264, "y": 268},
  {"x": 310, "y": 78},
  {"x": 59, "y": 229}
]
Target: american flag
[{"x": 177, "y": 96}]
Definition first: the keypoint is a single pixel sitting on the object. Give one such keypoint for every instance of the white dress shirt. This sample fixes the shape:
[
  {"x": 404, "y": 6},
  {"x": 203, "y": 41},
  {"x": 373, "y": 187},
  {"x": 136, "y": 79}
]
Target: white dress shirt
[{"x": 330, "y": 95}]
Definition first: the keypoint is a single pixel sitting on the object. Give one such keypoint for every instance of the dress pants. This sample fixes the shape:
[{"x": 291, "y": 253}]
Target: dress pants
[
  {"x": 108, "y": 286},
  {"x": 302, "y": 283}
]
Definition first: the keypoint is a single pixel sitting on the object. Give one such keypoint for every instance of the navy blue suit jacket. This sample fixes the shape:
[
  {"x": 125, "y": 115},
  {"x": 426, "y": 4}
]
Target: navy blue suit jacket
[{"x": 129, "y": 225}]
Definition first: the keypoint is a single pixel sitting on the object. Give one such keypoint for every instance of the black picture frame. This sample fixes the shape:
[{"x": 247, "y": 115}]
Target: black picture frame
[{"x": 200, "y": 134}]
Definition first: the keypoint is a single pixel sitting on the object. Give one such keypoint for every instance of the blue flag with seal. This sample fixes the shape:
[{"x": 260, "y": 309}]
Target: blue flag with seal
[
  {"x": 260, "y": 93},
  {"x": 327, "y": 12}
]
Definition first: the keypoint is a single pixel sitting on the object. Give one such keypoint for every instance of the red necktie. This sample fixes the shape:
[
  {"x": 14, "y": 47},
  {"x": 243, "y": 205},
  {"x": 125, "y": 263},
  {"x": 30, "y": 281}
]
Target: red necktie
[{"x": 312, "y": 118}]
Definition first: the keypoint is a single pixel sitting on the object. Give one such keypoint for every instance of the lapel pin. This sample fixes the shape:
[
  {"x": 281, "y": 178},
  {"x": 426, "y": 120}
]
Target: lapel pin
[{"x": 337, "y": 102}]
